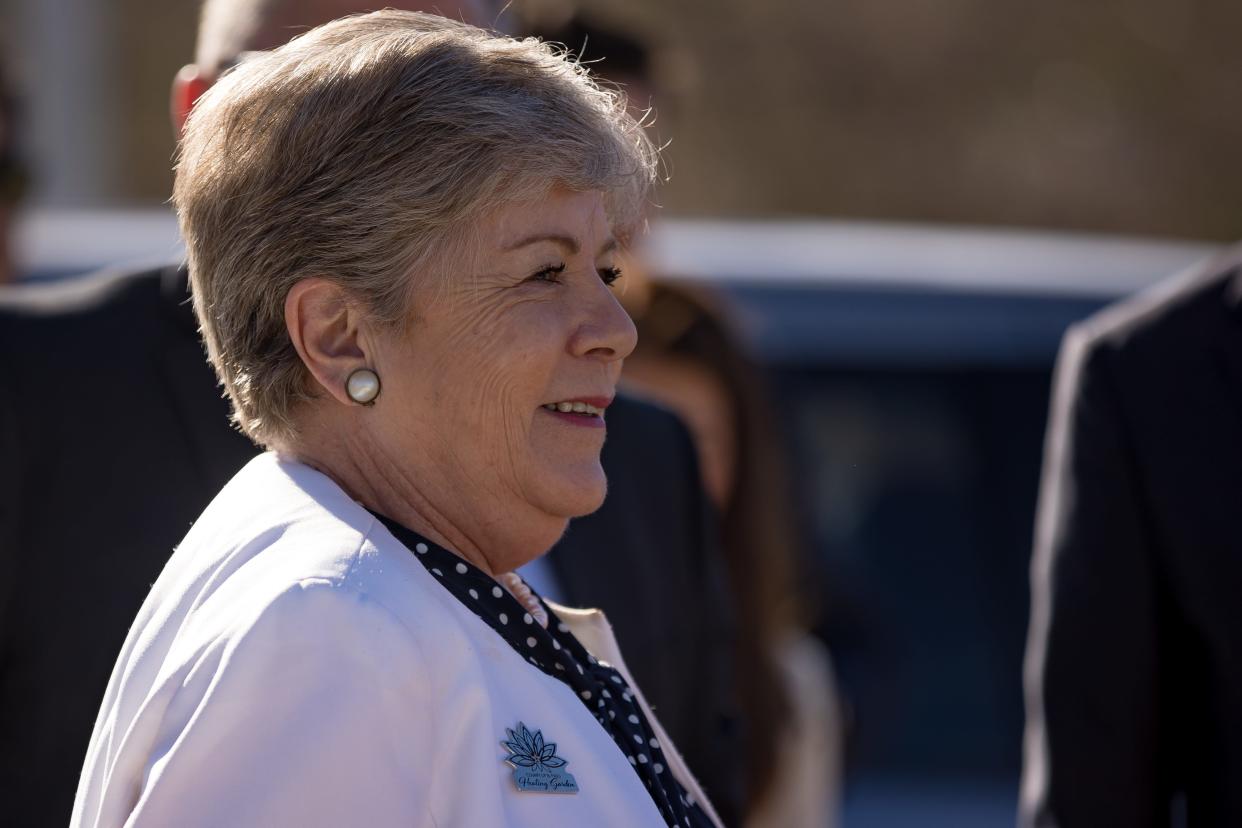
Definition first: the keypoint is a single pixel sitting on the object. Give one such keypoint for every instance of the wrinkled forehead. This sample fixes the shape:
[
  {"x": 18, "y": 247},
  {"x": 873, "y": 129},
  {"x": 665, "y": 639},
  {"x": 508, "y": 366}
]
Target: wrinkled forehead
[
  {"x": 576, "y": 221},
  {"x": 563, "y": 221}
]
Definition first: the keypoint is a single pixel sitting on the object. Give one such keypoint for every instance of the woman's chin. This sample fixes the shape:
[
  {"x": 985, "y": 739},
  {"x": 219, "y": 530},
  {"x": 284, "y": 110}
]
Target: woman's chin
[
  {"x": 575, "y": 495},
  {"x": 586, "y": 506}
]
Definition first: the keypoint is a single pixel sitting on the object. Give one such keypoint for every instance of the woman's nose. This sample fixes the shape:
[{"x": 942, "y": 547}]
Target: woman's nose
[{"x": 607, "y": 332}]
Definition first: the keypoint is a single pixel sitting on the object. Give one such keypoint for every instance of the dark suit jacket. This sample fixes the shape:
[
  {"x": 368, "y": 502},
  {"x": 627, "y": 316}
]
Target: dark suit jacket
[
  {"x": 114, "y": 437},
  {"x": 1134, "y": 670}
]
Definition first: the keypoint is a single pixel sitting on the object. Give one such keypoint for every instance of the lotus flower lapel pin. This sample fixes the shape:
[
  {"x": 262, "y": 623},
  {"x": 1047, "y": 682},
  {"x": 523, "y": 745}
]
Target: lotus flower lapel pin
[{"x": 536, "y": 767}]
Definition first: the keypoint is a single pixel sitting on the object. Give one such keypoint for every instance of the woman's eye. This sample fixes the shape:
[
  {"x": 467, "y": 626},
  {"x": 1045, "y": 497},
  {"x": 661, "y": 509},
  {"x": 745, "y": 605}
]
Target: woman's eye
[
  {"x": 609, "y": 274},
  {"x": 551, "y": 273}
]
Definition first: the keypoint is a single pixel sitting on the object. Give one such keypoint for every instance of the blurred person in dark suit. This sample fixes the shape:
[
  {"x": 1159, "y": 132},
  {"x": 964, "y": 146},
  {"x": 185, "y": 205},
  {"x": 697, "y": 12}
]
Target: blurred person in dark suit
[
  {"x": 1134, "y": 663},
  {"x": 114, "y": 435},
  {"x": 690, "y": 359}
]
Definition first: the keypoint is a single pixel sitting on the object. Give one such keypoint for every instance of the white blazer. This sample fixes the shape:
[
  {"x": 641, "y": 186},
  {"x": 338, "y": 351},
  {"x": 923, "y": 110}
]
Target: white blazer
[{"x": 295, "y": 666}]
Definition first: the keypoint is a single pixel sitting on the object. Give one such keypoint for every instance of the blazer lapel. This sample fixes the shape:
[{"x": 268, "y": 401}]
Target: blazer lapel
[{"x": 591, "y": 627}]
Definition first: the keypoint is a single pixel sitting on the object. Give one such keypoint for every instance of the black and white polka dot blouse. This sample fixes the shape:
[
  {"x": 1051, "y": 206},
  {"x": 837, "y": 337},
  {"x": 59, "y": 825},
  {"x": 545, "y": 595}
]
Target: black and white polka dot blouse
[{"x": 558, "y": 653}]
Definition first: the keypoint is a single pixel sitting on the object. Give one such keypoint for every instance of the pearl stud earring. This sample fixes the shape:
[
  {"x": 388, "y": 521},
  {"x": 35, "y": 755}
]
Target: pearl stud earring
[{"x": 363, "y": 386}]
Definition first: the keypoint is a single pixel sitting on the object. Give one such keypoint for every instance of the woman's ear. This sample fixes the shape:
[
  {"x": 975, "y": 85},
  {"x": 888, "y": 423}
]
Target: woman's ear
[{"x": 326, "y": 331}]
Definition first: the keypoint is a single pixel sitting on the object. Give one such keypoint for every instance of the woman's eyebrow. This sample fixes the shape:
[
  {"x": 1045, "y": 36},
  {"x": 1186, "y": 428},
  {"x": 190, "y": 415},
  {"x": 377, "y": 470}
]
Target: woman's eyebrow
[{"x": 568, "y": 242}]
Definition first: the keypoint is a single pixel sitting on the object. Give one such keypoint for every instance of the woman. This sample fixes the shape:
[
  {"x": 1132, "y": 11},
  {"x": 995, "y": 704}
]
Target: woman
[
  {"x": 691, "y": 360},
  {"x": 402, "y": 233}
]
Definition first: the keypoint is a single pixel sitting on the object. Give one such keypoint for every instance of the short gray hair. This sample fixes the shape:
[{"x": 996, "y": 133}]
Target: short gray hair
[{"x": 363, "y": 152}]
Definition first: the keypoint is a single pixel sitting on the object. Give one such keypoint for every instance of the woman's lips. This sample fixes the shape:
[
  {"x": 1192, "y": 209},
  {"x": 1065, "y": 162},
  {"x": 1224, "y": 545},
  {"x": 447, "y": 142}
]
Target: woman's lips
[
  {"x": 583, "y": 411},
  {"x": 580, "y": 420}
]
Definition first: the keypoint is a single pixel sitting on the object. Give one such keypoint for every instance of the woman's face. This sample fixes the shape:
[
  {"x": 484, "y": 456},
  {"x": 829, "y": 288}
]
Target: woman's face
[{"x": 473, "y": 386}]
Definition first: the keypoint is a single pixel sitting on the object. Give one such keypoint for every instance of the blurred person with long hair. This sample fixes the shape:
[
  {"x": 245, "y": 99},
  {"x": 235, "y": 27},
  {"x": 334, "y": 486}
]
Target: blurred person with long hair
[{"x": 691, "y": 359}]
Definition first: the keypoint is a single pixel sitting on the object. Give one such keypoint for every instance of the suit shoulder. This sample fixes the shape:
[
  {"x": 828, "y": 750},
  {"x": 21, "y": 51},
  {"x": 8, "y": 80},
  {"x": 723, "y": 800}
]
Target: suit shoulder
[
  {"x": 265, "y": 534},
  {"x": 315, "y": 607},
  {"x": 107, "y": 293},
  {"x": 306, "y": 576},
  {"x": 63, "y": 326},
  {"x": 1174, "y": 315}
]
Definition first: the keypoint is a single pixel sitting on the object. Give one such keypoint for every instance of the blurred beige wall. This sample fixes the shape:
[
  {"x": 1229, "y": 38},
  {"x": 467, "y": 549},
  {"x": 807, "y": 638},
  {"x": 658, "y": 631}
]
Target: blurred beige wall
[
  {"x": 1116, "y": 115},
  {"x": 157, "y": 39}
]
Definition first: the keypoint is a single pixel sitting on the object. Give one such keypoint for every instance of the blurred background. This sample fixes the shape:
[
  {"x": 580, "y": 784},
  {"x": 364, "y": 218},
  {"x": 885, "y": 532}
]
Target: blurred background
[
  {"x": 901, "y": 205},
  {"x": 1118, "y": 115}
]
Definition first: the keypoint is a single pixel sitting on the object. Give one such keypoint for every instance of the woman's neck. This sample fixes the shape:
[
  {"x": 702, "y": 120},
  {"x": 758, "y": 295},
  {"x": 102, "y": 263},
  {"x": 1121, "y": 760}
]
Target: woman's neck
[{"x": 488, "y": 535}]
